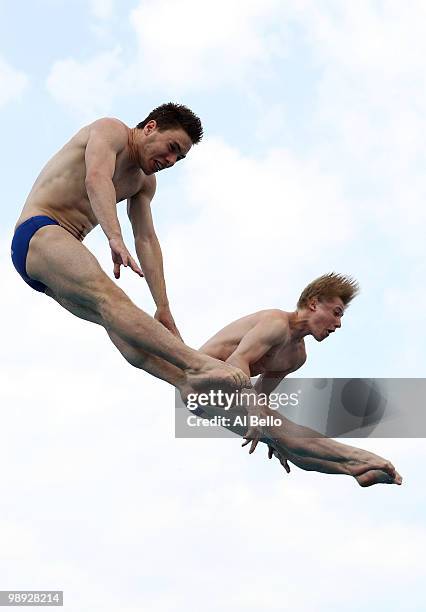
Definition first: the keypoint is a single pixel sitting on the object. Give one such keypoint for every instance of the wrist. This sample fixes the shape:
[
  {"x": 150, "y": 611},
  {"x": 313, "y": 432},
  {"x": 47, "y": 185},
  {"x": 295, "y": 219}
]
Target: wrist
[
  {"x": 115, "y": 236},
  {"x": 272, "y": 423}
]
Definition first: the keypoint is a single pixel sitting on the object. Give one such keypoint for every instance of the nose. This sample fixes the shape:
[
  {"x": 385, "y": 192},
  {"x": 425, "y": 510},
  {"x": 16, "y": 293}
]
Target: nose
[
  {"x": 339, "y": 323},
  {"x": 171, "y": 159}
]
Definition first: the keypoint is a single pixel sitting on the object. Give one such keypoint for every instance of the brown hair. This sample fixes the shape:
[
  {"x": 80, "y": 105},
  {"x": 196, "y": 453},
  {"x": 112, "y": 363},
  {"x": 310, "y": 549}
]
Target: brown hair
[
  {"x": 329, "y": 286},
  {"x": 170, "y": 116}
]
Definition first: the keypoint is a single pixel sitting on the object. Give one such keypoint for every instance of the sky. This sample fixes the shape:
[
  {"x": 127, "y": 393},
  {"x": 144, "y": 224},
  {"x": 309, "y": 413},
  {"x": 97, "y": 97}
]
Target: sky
[{"x": 312, "y": 161}]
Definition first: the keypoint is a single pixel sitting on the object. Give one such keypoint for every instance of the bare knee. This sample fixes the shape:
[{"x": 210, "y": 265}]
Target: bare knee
[
  {"x": 110, "y": 303},
  {"x": 116, "y": 311}
]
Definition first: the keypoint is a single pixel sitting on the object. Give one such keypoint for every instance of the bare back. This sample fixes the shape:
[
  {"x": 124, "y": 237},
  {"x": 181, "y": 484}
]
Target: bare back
[
  {"x": 283, "y": 356},
  {"x": 60, "y": 190}
]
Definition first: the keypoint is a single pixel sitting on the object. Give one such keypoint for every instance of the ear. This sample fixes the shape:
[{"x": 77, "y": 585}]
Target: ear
[
  {"x": 313, "y": 303},
  {"x": 150, "y": 127}
]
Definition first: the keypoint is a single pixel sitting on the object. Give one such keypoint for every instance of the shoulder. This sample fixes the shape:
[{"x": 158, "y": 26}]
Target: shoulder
[
  {"x": 110, "y": 129},
  {"x": 276, "y": 321},
  {"x": 149, "y": 184},
  {"x": 148, "y": 187},
  {"x": 275, "y": 316},
  {"x": 111, "y": 123}
]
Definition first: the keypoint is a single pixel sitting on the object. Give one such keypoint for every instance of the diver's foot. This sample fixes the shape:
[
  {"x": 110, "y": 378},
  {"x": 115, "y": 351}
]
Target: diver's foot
[
  {"x": 215, "y": 375},
  {"x": 361, "y": 461},
  {"x": 372, "y": 477}
]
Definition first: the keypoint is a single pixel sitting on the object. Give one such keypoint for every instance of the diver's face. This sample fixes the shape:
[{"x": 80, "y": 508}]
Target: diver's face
[
  {"x": 325, "y": 317},
  {"x": 162, "y": 149}
]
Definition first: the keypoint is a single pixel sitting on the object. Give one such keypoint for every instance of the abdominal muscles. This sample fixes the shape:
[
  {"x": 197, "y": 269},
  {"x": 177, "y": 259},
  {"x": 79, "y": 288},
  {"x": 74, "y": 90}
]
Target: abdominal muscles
[{"x": 60, "y": 193}]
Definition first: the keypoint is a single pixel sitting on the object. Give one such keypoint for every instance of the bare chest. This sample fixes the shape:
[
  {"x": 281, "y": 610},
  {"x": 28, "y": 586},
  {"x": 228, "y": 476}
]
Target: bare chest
[
  {"x": 281, "y": 359},
  {"x": 127, "y": 181}
]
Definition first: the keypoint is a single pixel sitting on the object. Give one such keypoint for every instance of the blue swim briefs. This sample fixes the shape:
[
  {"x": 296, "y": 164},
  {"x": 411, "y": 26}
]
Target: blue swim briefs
[{"x": 21, "y": 242}]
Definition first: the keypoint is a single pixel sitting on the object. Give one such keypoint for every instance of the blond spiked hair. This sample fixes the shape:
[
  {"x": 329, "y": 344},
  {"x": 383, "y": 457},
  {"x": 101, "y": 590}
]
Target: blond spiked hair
[{"x": 329, "y": 286}]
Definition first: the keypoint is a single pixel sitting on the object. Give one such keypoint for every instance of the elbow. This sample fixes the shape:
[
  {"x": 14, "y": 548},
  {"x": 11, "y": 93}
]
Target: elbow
[
  {"x": 91, "y": 177},
  {"x": 144, "y": 241}
]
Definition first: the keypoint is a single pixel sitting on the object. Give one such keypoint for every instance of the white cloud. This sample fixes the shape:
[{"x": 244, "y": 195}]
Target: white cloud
[
  {"x": 183, "y": 47},
  {"x": 370, "y": 106},
  {"x": 87, "y": 88},
  {"x": 102, "y": 9},
  {"x": 12, "y": 82},
  {"x": 376, "y": 37},
  {"x": 177, "y": 50}
]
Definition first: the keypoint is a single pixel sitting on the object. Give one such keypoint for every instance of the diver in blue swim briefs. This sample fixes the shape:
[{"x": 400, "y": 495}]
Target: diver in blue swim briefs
[{"x": 104, "y": 163}]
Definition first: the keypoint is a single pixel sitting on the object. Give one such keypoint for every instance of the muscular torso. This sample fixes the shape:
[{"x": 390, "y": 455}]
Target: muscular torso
[
  {"x": 286, "y": 356},
  {"x": 60, "y": 190}
]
